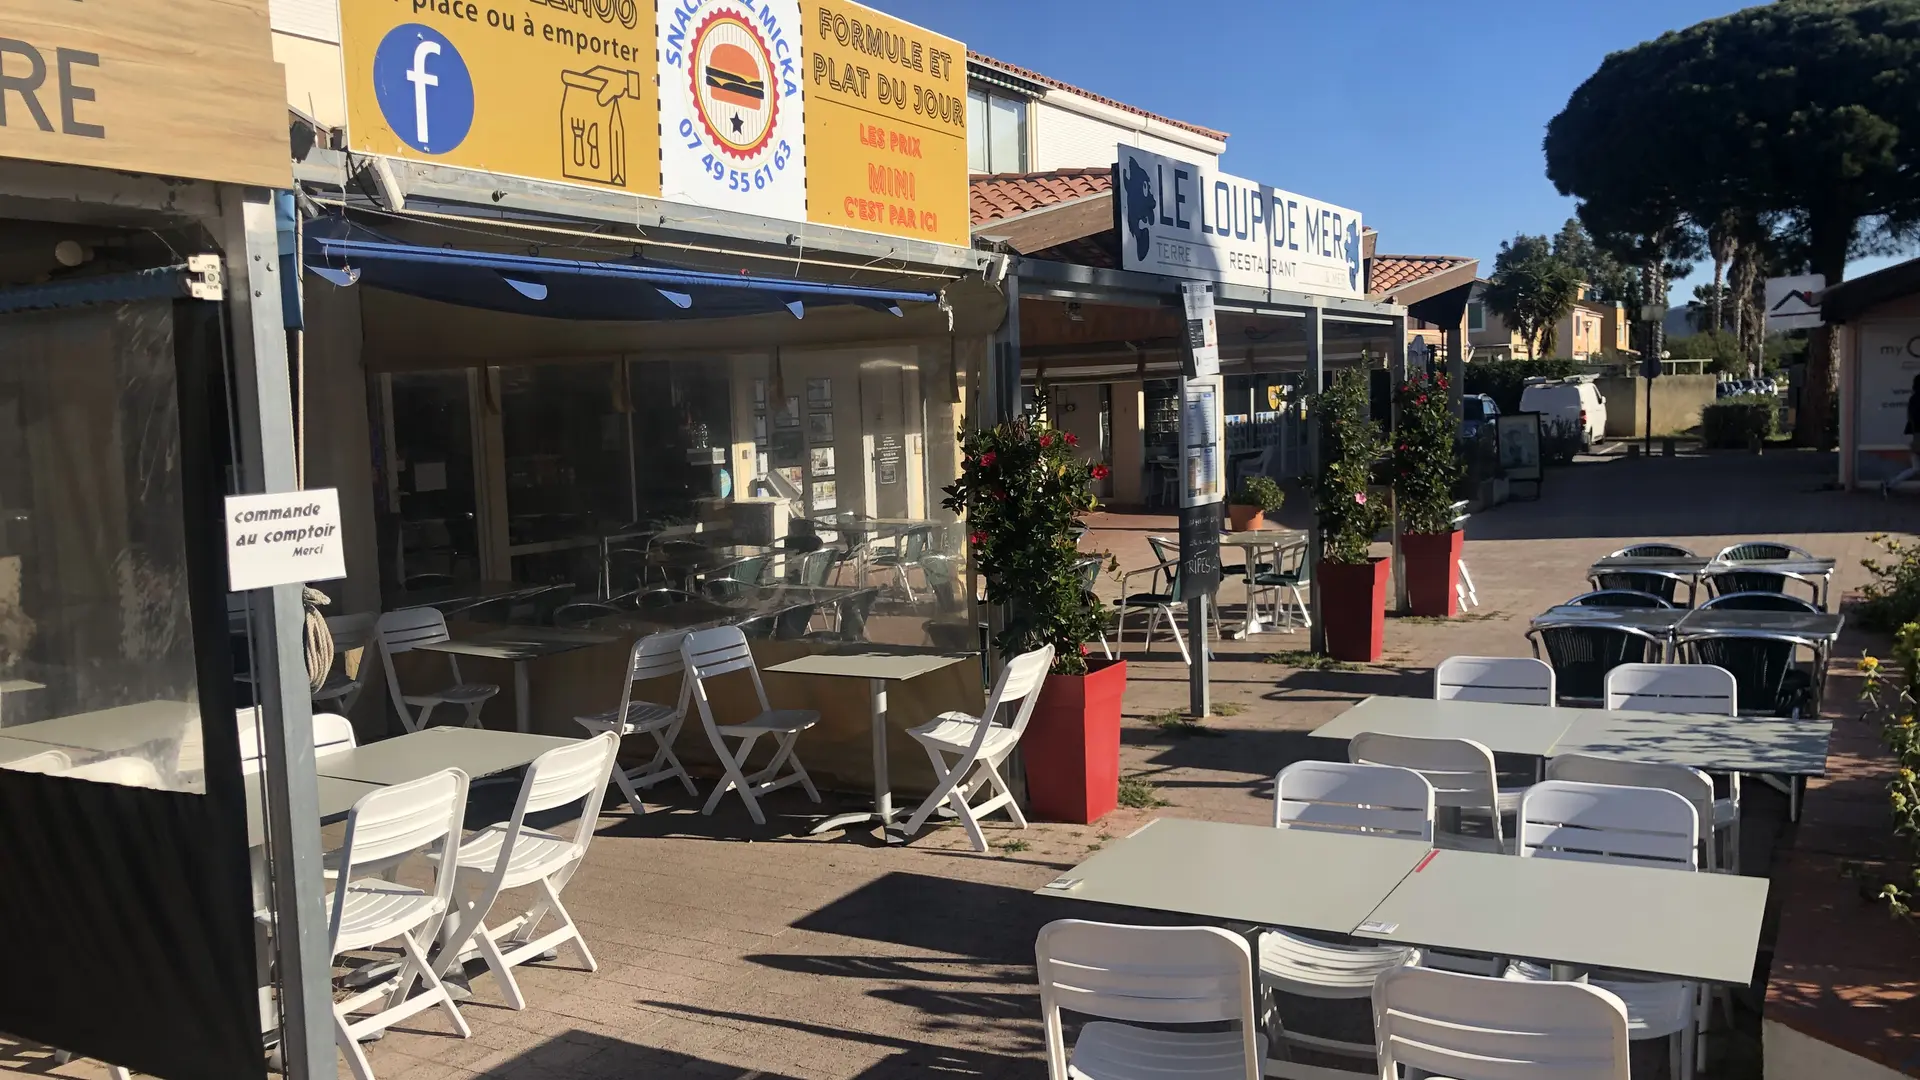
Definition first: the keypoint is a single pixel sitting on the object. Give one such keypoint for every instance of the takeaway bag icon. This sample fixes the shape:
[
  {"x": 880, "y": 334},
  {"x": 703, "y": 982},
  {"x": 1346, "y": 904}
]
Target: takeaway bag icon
[{"x": 593, "y": 131}]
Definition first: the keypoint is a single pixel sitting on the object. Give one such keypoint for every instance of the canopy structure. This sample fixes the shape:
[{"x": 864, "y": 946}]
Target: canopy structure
[{"x": 615, "y": 289}]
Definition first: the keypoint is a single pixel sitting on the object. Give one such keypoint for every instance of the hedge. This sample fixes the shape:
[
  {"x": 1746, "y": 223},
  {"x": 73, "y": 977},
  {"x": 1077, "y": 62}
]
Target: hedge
[{"x": 1731, "y": 423}]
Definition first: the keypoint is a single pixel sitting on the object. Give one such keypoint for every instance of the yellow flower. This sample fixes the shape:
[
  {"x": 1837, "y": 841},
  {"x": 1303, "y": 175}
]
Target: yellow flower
[
  {"x": 1868, "y": 663},
  {"x": 1907, "y": 720},
  {"x": 1907, "y": 775}
]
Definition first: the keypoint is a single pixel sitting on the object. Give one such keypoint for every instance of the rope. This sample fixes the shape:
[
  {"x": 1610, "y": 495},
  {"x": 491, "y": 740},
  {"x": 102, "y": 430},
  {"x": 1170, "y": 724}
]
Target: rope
[{"x": 319, "y": 638}]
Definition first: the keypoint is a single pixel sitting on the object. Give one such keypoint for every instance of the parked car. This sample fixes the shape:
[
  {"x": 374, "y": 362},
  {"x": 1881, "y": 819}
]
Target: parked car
[
  {"x": 1574, "y": 400},
  {"x": 1476, "y": 415}
]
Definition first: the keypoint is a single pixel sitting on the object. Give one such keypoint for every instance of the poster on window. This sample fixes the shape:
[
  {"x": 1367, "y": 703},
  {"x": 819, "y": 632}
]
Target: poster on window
[
  {"x": 1889, "y": 360},
  {"x": 731, "y": 106}
]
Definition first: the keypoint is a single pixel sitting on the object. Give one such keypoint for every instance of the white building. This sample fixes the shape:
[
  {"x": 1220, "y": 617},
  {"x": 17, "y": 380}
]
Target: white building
[{"x": 1020, "y": 121}]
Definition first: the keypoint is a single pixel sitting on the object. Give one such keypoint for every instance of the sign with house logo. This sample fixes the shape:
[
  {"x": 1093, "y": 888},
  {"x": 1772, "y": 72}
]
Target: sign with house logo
[
  {"x": 563, "y": 92},
  {"x": 1186, "y": 220},
  {"x": 1793, "y": 303},
  {"x": 732, "y": 112}
]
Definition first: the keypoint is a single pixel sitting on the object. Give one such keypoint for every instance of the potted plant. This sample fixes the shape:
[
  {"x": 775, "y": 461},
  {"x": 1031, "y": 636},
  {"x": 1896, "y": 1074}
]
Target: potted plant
[
  {"x": 1426, "y": 470},
  {"x": 1258, "y": 496},
  {"x": 1024, "y": 494},
  {"x": 1353, "y": 584}
]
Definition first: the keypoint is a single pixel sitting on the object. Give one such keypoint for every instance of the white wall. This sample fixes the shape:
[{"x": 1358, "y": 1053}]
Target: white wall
[
  {"x": 1075, "y": 133},
  {"x": 317, "y": 19}
]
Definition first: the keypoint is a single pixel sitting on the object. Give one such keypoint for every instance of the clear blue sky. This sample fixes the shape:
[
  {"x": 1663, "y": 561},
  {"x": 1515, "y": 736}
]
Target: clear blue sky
[{"x": 1424, "y": 116}]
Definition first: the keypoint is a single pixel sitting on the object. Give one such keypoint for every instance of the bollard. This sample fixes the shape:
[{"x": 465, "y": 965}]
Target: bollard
[
  {"x": 1667, "y": 446},
  {"x": 1633, "y": 450}
]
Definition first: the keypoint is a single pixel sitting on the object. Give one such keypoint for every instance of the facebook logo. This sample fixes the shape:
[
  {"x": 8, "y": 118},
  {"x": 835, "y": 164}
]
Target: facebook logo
[{"x": 423, "y": 87}]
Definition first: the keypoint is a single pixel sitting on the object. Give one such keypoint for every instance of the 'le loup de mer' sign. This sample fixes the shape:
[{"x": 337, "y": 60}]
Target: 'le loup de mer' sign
[{"x": 1186, "y": 220}]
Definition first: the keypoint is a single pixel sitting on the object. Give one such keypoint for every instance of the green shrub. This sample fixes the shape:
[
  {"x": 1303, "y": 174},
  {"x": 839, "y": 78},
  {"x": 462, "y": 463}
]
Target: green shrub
[
  {"x": 1261, "y": 492},
  {"x": 1350, "y": 450},
  {"x": 1729, "y": 423},
  {"x": 1425, "y": 464},
  {"x": 1502, "y": 380},
  {"x": 1892, "y": 599}
]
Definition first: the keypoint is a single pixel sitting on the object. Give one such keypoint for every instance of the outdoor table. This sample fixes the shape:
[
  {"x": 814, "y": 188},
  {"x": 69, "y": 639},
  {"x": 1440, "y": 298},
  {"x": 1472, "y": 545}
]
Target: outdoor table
[
  {"x": 337, "y": 797},
  {"x": 879, "y": 665},
  {"x": 1686, "y": 567},
  {"x": 519, "y": 645},
  {"x": 475, "y": 751},
  {"x": 1815, "y": 571},
  {"x": 1509, "y": 729},
  {"x": 110, "y": 731},
  {"x": 1655, "y": 921},
  {"x": 453, "y": 599},
  {"x": 1298, "y": 878},
  {"x": 12, "y": 750},
  {"x": 1785, "y": 746},
  {"x": 1815, "y": 629},
  {"x": 1657, "y": 622},
  {"x": 1251, "y": 543}
]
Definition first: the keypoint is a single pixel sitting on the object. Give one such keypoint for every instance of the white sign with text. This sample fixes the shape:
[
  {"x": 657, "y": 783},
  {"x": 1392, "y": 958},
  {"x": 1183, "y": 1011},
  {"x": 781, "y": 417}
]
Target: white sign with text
[
  {"x": 1793, "y": 303},
  {"x": 288, "y": 538},
  {"x": 1889, "y": 363},
  {"x": 1189, "y": 221}
]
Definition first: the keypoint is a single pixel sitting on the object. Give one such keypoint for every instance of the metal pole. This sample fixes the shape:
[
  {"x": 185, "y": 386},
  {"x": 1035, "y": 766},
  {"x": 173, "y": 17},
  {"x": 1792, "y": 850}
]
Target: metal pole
[
  {"x": 276, "y": 619},
  {"x": 1397, "y": 374},
  {"x": 1199, "y": 696},
  {"x": 1315, "y": 383}
]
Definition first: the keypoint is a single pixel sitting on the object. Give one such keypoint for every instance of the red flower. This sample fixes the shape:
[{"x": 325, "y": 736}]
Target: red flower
[
  {"x": 1421, "y": 400},
  {"x": 1072, "y": 439},
  {"x": 976, "y": 538},
  {"x": 987, "y": 459},
  {"x": 1046, "y": 441},
  {"x": 1100, "y": 472},
  {"x": 998, "y": 494}
]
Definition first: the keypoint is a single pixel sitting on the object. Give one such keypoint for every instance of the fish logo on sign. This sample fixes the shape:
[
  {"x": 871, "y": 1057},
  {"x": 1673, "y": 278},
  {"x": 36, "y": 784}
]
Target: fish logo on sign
[{"x": 735, "y": 94}]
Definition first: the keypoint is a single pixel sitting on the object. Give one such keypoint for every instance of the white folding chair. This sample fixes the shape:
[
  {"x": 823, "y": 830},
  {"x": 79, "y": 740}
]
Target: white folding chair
[
  {"x": 384, "y": 827},
  {"x": 332, "y": 734},
  {"x": 1332, "y": 796},
  {"x": 723, "y": 650},
  {"x": 1687, "y": 688},
  {"x": 979, "y": 746},
  {"x": 408, "y": 629},
  {"x": 1632, "y": 826},
  {"x": 656, "y": 656},
  {"x": 51, "y": 761},
  {"x": 1462, "y": 775},
  {"x": 1506, "y": 680},
  {"x": 513, "y": 854},
  {"x": 1158, "y": 975},
  {"x": 350, "y": 632},
  {"x": 1690, "y": 784},
  {"x": 1475, "y": 1028}
]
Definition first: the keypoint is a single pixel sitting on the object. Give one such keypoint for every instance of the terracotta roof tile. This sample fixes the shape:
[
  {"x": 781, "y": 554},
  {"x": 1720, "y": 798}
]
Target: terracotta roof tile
[
  {"x": 1044, "y": 80},
  {"x": 996, "y": 196},
  {"x": 1393, "y": 272}
]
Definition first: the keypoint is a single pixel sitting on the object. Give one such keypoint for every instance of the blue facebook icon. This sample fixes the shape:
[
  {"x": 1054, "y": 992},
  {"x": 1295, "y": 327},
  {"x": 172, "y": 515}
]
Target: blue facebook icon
[{"x": 423, "y": 87}]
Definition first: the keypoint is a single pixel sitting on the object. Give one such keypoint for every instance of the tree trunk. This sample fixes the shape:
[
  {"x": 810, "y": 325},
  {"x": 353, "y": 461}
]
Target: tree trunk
[
  {"x": 1831, "y": 234},
  {"x": 1714, "y": 308}
]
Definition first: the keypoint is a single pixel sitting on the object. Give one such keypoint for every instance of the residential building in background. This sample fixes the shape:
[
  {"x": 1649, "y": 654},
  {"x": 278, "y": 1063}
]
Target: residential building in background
[
  {"x": 1592, "y": 330},
  {"x": 1021, "y": 121}
]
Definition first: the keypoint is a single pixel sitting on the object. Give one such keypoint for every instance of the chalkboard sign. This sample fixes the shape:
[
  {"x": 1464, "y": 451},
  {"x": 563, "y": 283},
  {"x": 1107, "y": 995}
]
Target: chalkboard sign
[{"x": 1199, "y": 551}]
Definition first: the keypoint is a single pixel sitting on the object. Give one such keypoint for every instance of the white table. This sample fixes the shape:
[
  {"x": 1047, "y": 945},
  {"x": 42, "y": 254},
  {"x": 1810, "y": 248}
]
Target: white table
[
  {"x": 108, "y": 731},
  {"x": 519, "y": 646},
  {"x": 878, "y": 665},
  {"x": 475, "y": 751},
  {"x": 1251, "y": 543}
]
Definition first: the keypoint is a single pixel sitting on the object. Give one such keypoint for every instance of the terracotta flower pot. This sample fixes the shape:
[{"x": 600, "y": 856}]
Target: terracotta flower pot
[
  {"x": 1354, "y": 608},
  {"x": 1433, "y": 572},
  {"x": 1071, "y": 748},
  {"x": 1244, "y": 517}
]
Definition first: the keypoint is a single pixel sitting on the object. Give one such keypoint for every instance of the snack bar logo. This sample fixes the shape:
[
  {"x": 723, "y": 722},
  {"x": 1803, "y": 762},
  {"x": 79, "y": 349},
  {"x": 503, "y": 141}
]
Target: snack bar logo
[{"x": 624, "y": 12}]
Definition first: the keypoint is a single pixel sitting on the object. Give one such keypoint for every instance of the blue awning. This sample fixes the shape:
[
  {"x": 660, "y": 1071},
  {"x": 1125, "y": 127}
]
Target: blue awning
[{"x": 622, "y": 289}]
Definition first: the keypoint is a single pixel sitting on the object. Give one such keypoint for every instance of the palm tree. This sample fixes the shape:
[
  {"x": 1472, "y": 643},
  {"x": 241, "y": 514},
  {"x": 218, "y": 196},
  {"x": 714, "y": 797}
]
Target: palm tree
[{"x": 1531, "y": 290}]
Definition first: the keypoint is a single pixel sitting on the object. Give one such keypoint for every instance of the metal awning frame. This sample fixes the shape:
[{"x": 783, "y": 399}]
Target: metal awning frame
[{"x": 1044, "y": 280}]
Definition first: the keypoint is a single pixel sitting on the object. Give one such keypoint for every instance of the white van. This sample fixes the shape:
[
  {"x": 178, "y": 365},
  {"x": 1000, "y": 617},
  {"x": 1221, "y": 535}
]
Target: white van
[{"x": 1574, "y": 400}]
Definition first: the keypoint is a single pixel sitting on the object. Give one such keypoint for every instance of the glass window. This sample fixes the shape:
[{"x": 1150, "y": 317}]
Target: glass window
[
  {"x": 96, "y": 645},
  {"x": 682, "y": 430},
  {"x": 996, "y": 132},
  {"x": 432, "y": 477},
  {"x": 565, "y": 435},
  {"x": 1476, "y": 316}
]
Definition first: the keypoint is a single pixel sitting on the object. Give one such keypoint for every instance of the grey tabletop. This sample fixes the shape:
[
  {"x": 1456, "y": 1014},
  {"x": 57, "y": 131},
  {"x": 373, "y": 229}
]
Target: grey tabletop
[
  {"x": 1675, "y": 923},
  {"x": 121, "y": 728},
  {"x": 1264, "y": 538},
  {"x": 15, "y": 749},
  {"x": 1668, "y": 564},
  {"x": 1802, "y": 625},
  {"x": 337, "y": 797},
  {"x": 1294, "y": 878},
  {"x": 1509, "y": 729},
  {"x": 453, "y": 598},
  {"x": 1751, "y": 744},
  {"x": 1809, "y": 567},
  {"x": 1652, "y": 620},
  {"x": 871, "y": 662},
  {"x": 520, "y": 643},
  {"x": 475, "y": 751}
]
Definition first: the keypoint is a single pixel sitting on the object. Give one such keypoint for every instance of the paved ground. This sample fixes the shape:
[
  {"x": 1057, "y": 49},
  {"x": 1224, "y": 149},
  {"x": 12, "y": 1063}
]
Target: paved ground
[{"x": 735, "y": 951}]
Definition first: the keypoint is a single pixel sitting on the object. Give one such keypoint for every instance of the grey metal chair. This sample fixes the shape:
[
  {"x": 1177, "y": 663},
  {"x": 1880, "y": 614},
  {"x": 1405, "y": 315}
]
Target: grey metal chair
[
  {"x": 1760, "y": 601},
  {"x": 1582, "y": 654},
  {"x": 1618, "y": 598}
]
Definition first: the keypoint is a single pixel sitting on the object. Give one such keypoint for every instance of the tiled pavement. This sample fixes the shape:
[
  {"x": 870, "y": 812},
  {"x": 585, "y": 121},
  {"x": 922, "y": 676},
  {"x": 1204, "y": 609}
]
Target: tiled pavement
[{"x": 734, "y": 951}]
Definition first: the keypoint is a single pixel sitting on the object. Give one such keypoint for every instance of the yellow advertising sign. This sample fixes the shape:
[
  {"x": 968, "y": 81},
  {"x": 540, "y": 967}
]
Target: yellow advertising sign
[
  {"x": 184, "y": 88},
  {"x": 886, "y": 124},
  {"x": 559, "y": 90}
]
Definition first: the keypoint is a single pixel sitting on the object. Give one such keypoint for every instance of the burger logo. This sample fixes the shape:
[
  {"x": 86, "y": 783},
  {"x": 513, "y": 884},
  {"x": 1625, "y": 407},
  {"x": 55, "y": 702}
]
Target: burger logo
[{"x": 733, "y": 86}]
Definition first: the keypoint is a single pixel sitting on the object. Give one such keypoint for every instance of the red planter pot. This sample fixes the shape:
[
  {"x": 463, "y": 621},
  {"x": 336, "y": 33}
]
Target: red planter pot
[
  {"x": 1071, "y": 749},
  {"x": 1433, "y": 572},
  {"x": 1354, "y": 607}
]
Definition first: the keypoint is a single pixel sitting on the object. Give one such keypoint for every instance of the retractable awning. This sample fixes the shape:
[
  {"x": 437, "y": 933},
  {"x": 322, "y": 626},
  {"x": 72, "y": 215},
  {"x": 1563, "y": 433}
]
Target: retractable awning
[{"x": 615, "y": 289}]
